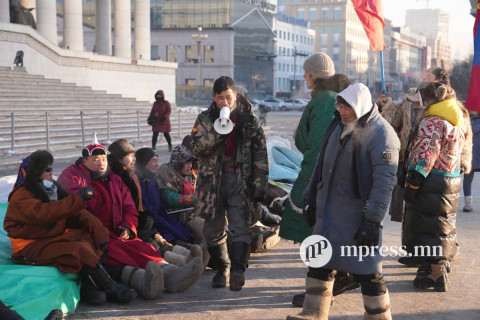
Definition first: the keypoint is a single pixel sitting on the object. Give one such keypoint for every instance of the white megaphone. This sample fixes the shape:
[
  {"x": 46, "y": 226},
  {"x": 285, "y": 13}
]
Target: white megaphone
[{"x": 223, "y": 124}]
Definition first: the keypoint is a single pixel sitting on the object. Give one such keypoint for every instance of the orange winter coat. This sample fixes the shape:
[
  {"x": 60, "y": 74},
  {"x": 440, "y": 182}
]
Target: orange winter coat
[{"x": 59, "y": 233}]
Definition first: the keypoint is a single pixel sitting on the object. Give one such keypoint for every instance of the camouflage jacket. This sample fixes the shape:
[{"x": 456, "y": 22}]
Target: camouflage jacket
[{"x": 250, "y": 158}]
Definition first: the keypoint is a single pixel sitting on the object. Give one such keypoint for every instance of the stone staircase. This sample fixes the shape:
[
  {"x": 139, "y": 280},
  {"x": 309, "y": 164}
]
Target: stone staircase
[{"x": 38, "y": 113}]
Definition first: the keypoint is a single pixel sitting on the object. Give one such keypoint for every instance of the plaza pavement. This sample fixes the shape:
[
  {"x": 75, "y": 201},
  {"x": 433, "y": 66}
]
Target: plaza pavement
[{"x": 276, "y": 275}]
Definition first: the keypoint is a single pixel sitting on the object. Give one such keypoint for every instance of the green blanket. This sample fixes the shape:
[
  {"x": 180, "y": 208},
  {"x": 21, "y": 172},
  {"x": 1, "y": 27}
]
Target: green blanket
[{"x": 34, "y": 291}]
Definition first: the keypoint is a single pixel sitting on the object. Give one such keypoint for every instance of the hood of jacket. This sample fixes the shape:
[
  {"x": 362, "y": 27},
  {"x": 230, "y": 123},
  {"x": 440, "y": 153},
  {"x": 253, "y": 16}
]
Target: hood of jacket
[
  {"x": 448, "y": 110},
  {"x": 359, "y": 98}
]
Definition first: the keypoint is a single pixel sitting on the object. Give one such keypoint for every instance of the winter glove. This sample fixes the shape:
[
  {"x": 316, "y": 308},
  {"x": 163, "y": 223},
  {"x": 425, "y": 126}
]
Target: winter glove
[
  {"x": 368, "y": 234},
  {"x": 413, "y": 182},
  {"x": 86, "y": 193},
  {"x": 310, "y": 215},
  {"x": 163, "y": 119},
  {"x": 258, "y": 196}
]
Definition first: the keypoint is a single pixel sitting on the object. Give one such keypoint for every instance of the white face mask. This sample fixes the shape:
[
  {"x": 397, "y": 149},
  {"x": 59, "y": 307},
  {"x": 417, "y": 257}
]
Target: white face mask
[{"x": 47, "y": 183}]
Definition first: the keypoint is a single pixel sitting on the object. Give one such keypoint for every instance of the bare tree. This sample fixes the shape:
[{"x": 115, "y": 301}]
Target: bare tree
[{"x": 460, "y": 77}]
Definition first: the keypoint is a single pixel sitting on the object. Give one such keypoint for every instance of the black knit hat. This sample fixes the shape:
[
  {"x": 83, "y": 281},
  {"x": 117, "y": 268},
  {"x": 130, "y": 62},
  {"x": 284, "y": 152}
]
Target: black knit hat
[
  {"x": 144, "y": 155},
  {"x": 120, "y": 148}
]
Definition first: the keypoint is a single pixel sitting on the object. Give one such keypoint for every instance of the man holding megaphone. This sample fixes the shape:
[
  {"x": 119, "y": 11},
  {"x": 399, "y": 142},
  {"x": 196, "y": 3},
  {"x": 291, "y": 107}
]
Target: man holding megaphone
[{"x": 232, "y": 179}]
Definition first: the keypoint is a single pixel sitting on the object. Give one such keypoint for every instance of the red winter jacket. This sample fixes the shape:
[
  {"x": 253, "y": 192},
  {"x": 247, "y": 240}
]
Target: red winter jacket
[{"x": 162, "y": 109}]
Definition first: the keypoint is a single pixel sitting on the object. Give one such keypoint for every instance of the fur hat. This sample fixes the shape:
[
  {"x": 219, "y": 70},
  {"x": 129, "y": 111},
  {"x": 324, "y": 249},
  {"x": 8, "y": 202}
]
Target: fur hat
[
  {"x": 144, "y": 155},
  {"x": 120, "y": 148},
  {"x": 93, "y": 149},
  {"x": 320, "y": 65},
  {"x": 37, "y": 163}
]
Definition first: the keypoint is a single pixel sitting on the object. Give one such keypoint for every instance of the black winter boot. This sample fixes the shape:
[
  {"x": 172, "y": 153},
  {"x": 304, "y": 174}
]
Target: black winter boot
[
  {"x": 91, "y": 294},
  {"x": 104, "y": 282},
  {"x": 221, "y": 262},
  {"x": 240, "y": 253}
]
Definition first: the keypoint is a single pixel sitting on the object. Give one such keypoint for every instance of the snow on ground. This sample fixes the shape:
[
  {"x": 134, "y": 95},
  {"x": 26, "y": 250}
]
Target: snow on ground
[{"x": 6, "y": 185}]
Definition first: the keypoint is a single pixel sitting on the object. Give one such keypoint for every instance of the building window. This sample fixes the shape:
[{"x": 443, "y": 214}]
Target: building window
[
  {"x": 336, "y": 34},
  {"x": 191, "y": 54},
  {"x": 154, "y": 53},
  {"x": 301, "y": 13},
  {"x": 337, "y": 13},
  {"x": 325, "y": 13},
  {"x": 209, "y": 53},
  {"x": 336, "y": 54},
  {"x": 171, "y": 53},
  {"x": 208, "y": 82},
  {"x": 190, "y": 82},
  {"x": 312, "y": 14},
  {"x": 323, "y": 34}
]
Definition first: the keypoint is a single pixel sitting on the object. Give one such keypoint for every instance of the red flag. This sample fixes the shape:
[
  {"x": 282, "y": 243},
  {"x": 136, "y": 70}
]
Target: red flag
[
  {"x": 371, "y": 15},
  {"x": 473, "y": 97}
]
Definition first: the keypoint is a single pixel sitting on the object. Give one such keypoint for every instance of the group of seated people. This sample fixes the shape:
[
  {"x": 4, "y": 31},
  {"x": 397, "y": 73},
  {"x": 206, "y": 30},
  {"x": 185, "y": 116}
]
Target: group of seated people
[{"x": 116, "y": 218}]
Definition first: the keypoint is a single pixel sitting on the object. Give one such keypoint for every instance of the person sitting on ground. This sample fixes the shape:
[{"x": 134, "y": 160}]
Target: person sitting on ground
[
  {"x": 134, "y": 262},
  {"x": 176, "y": 182},
  {"x": 49, "y": 227},
  {"x": 122, "y": 162}
]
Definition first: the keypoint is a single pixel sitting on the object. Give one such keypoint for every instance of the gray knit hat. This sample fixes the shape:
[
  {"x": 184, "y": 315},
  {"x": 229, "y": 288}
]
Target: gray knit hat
[{"x": 320, "y": 65}]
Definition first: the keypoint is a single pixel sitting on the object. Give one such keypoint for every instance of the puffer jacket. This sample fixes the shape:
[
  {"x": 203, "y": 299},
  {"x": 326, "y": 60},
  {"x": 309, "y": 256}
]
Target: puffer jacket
[{"x": 436, "y": 153}]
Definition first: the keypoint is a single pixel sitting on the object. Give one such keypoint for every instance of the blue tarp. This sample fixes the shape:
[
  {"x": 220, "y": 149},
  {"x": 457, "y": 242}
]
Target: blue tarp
[
  {"x": 34, "y": 291},
  {"x": 287, "y": 164}
]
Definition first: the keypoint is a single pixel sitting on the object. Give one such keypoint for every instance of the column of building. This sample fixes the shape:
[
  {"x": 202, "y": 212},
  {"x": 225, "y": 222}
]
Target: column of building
[
  {"x": 73, "y": 25},
  {"x": 123, "y": 29},
  {"x": 4, "y": 12},
  {"x": 103, "y": 27},
  {"x": 47, "y": 19},
  {"x": 142, "y": 29}
]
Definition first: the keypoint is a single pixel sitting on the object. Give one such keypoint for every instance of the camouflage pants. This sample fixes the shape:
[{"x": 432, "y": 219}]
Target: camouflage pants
[{"x": 230, "y": 203}]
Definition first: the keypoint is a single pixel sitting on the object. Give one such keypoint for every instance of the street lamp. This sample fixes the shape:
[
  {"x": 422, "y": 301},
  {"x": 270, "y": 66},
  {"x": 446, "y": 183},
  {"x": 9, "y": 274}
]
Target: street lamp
[
  {"x": 199, "y": 38},
  {"x": 295, "y": 54}
]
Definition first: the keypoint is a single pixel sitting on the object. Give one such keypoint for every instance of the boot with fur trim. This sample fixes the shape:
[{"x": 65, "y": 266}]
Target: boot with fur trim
[
  {"x": 146, "y": 282},
  {"x": 178, "y": 279},
  {"x": 377, "y": 308},
  {"x": 318, "y": 298},
  {"x": 437, "y": 278}
]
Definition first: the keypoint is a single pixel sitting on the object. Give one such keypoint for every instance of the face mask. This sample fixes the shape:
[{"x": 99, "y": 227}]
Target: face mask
[{"x": 47, "y": 183}]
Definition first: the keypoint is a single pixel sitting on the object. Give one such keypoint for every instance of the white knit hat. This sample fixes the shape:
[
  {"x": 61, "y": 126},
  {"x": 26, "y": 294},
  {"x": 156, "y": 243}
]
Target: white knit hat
[{"x": 320, "y": 65}]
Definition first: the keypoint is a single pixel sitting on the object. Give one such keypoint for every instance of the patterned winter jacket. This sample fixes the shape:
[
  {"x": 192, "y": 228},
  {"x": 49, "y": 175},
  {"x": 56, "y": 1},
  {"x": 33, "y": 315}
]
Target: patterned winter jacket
[
  {"x": 250, "y": 157},
  {"x": 440, "y": 140}
]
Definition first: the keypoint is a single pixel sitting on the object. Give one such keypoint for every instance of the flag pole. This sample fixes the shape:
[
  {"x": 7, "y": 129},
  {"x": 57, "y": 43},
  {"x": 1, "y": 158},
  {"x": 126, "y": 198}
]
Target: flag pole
[{"x": 382, "y": 73}]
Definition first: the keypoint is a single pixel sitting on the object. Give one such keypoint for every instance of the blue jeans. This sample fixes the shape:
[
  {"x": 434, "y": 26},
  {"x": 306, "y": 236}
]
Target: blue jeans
[{"x": 467, "y": 183}]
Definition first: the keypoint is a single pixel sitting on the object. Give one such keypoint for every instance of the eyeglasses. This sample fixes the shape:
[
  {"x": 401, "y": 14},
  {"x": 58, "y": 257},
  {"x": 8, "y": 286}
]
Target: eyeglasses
[{"x": 49, "y": 169}]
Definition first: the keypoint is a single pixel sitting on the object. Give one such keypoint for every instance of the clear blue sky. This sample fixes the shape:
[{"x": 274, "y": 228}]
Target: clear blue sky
[{"x": 461, "y": 22}]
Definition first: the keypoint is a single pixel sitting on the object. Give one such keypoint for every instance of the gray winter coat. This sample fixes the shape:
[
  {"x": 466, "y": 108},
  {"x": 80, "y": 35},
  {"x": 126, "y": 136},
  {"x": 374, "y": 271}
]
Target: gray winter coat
[{"x": 354, "y": 177}]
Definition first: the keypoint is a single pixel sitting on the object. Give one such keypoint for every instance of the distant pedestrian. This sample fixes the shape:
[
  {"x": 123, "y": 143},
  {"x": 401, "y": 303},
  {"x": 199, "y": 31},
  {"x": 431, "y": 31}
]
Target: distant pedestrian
[
  {"x": 159, "y": 119},
  {"x": 346, "y": 200}
]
